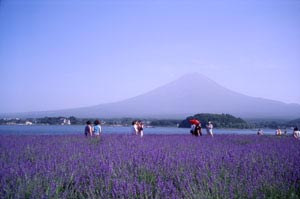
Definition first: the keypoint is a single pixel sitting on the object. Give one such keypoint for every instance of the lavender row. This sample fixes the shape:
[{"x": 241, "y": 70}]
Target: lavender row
[{"x": 156, "y": 166}]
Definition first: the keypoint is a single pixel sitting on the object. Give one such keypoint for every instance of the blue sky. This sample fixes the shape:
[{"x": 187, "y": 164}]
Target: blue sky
[{"x": 64, "y": 54}]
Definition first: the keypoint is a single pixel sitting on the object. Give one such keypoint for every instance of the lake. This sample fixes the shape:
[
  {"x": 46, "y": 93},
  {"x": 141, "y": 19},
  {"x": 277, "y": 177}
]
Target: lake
[{"x": 78, "y": 129}]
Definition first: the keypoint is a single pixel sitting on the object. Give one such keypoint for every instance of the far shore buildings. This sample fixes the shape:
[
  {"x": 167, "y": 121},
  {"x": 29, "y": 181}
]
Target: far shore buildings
[
  {"x": 28, "y": 123},
  {"x": 65, "y": 121},
  {"x": 36, "y": 121}
]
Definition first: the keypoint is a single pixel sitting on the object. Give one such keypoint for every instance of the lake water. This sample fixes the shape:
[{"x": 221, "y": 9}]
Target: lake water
[{"x": 78, "y": 129}]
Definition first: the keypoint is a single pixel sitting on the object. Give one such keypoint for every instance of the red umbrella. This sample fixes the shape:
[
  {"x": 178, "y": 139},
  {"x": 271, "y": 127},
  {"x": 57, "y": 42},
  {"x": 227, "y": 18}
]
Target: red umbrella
[{"x": 194, "y": 121}]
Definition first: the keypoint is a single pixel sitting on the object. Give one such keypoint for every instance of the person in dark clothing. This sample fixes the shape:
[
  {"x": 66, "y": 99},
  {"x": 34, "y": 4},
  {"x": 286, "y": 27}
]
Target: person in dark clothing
[
  {"x": 88, "y": 129},
  {"x": 198, "y": 131}
]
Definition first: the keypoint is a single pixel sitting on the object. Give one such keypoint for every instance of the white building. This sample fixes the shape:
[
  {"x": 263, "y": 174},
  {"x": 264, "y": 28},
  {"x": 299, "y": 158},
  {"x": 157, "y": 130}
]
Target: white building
[{"x": 28, "y": 123}]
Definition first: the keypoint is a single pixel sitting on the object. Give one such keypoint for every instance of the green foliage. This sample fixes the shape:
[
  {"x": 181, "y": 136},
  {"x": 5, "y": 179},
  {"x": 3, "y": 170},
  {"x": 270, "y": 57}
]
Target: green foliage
[
  {"x": 164, "y": 122},
  {"x": 294, "y": 123},
  {"x": 218, "y": 120},
  {"x": 74, "y": 120},
  {"x": 273, "y": 123}
]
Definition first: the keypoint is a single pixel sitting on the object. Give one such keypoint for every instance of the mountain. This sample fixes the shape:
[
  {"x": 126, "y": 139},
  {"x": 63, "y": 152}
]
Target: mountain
[{"x": 190, "y": 94}]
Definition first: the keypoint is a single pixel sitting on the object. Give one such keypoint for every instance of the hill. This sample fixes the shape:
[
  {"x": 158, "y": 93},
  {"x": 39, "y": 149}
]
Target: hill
[{"x": 219, "y": 121}]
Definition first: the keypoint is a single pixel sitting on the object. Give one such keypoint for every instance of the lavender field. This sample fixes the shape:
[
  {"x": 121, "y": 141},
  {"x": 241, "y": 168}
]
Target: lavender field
[{"x": 156, "y": 166}]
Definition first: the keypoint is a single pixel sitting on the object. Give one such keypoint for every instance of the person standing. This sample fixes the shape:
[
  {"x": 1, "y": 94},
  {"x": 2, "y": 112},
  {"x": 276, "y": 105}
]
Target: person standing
[
  {"x": 278, "y": 131},
  {"x": 88, "y": 129},
  {"x": 134, "y": 128},
  {"x": 260, "y": 132},
  {"x": 193, "y": 127},
  {"x": 198, "y": 131},
  {"x": 97, "y": 128},
  {"x": 209, "y": 128},
  {"x": 296, "y": 133},
  {"x": 285, "y": 131},
  {"x": 140, "y": 128}
]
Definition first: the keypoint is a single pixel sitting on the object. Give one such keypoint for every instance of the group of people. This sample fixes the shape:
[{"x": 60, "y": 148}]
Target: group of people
[
  {"x": 93, "y": 130},
  {"x": 196, "y": 129},
  {"x": 138, "y": 128},
  {"x": 278, "y": 132}
]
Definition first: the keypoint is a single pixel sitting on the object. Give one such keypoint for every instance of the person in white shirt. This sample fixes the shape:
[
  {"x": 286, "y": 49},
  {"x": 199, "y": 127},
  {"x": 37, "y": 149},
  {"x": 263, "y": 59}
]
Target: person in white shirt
[
  {"x": 296, "y": 133},
  {"x": 140, "y": 128},
  {"x": 193, "y": 126},
  {"x": 260, "y": 132},
  {"x": 278, "y": 131},
  {"x": 209, "y": 128},
  {"x": 134, "y": 129}
]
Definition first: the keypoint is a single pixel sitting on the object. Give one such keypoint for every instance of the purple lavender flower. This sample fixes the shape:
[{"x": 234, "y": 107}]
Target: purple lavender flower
[{"x": 158, "y": 166}]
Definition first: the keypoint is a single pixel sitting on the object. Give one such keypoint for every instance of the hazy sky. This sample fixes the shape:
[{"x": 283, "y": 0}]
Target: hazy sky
[{"x": 57, "y": 54}]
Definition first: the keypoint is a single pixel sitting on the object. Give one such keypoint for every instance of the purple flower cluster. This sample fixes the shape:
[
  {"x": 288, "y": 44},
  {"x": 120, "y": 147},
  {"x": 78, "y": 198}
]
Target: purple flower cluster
[{"x": 156, "y": 166}]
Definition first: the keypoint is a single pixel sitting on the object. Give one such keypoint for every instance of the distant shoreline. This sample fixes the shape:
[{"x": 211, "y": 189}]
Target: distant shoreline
[{"x": 125, "y": 130}]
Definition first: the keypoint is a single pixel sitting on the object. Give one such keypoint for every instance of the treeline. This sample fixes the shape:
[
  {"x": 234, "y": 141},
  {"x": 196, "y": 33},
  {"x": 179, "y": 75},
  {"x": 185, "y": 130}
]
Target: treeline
[
  {"x": 229, "y": 121},
  {"x": 147, "y": 122},
  {"x": 165, "y": 122},
  {"x": 44, "y": 120},
  {"x": 81, "y": 121},
  {"x": 218, "y": 120},
  {"x": 274, "y": 123}
]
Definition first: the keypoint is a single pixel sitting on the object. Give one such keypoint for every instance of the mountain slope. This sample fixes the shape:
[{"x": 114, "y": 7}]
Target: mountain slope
[{"x": 191, "y": 94}]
